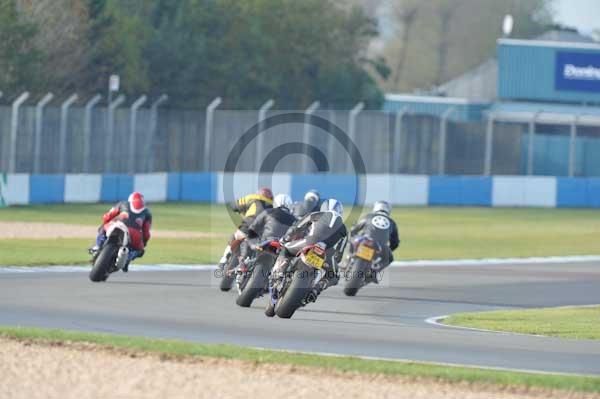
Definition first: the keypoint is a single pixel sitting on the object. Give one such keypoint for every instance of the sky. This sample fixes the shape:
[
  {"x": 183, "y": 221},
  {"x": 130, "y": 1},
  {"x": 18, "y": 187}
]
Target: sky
[{"x": 581, "y": 14}]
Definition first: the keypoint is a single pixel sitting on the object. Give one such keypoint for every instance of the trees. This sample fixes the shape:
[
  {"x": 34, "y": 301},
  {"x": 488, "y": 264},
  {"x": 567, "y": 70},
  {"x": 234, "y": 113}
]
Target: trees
[
  {"x": 19, "y": 59},
  {"x": 194, "y": 50},
  {"x": 437, "y": 40}
]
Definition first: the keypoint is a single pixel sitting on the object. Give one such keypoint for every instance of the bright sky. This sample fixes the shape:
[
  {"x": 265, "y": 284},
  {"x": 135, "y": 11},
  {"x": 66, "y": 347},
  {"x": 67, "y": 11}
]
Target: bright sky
[{"x": 581, "y": 14}]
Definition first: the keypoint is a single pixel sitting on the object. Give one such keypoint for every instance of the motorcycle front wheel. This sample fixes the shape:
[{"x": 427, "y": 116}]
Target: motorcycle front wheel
[{"x": 105, "y": 259}]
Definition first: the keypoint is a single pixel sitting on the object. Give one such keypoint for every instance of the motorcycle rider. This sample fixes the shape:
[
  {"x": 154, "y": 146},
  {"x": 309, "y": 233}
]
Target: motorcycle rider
[
  {"x": 381, "y": 228},
  {"x": 249, "y": 206},
  {"x": 312, "y": 203},
  {"x": 138, "y": 219},
  {"x": 270, "y": 224},
  {"x": 326, "y": 226}
]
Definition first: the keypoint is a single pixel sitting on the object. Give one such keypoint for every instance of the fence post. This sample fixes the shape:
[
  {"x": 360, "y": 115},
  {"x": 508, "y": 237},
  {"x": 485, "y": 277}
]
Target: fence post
[
  {"x": 153, "y": 128},
  {"x": 398, "y": 131},
  {"x": 530, "y": 153},
  {"x": 572, "y": 148},
  {"x": 133, "y": 130},
  {"x": 306, "y": 133},
  {"x": 39, "y": 126},
  {"x": 87, "y": 131},
  {"x": 262, "y": 113},
  {"x": 111, "y": 131},
  {"x": 489, "y": 145},
  {"x": 352, "y": 131},
  {"x": 14, "y": 127},
  {"x": 210, "y": 114},
  {"x": 64, "y": 123},
  {"x": 443, "y": 140}
]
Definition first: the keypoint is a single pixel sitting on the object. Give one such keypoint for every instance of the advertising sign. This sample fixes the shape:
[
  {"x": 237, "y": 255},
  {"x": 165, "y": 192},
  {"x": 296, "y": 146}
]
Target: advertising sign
[{"x": 577, "y": 71}]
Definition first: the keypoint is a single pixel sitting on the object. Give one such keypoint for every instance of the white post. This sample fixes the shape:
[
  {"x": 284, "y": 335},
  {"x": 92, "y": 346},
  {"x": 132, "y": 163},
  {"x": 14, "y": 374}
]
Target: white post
[
  {"x": 64, "y": 123},
  {"x": 352, "y": 130},
  {"x": 398, "y": 132},
  {"x": 306, "y": 133},
  {"x": 14, "y": 127},
  {"x": 87, "y": 131},
  {"x": 572, "y": 146},
  {"x": 208, "y": 131},
  {"x": 153, "y": 128},
  {"x": 110, "y": 132},
  {"x": 262, "y": 114},
  {"x": 530, "y": 153},
  {"x": 39, "y": 126},
  {"x": 489, "y": 145},
  {"x": 443, "y": 140},
  {"x": 133, "y": 130}
]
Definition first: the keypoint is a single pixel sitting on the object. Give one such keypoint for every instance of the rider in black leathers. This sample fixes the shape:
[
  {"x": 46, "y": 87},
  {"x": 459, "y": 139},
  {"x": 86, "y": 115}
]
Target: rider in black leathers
[
  {"x": 312, "y": 203},
  {"x": 379, "y": 227},
  {"x": 326, "y": 226}
]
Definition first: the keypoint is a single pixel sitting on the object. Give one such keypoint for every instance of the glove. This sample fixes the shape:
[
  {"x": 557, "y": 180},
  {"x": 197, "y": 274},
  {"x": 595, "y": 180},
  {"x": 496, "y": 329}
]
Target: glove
[{"x": 142, "y": 252}]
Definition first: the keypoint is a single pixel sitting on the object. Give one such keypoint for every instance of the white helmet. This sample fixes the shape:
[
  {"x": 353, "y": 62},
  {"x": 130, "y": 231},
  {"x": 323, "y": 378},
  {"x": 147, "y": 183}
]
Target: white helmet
[
  {"x": 332, "y": 205},
  {"x": 382, "y": 206},
  {"x": 282, "y": 201},
  {"x": 312, "y": 195}
]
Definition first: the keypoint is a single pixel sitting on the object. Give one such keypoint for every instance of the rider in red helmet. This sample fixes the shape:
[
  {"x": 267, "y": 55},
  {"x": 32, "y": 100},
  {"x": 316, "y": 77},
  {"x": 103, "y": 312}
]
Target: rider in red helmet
[{"x": 137, "y": 217}]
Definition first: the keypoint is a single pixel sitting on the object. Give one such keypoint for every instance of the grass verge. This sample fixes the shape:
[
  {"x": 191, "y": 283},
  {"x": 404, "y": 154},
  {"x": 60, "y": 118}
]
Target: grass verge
[
  {"x": 426, "y": 233},
  {"x": 564, "y": 322},
  {"x": 343, "y": 364}
]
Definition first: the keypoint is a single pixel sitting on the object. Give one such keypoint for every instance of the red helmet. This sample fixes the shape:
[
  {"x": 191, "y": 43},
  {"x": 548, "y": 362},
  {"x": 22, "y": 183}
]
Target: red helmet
[
  {"x": 266, "y": 192},
  {"x": 136, "y": 202}
]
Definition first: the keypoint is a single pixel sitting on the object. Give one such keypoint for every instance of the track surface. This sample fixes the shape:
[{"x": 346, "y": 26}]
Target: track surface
[{"x": 382, "y": 321}]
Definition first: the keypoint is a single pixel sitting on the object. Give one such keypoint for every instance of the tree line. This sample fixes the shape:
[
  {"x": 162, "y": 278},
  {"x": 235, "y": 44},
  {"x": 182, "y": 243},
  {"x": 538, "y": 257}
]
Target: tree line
[{"x": 193, "y": 50}]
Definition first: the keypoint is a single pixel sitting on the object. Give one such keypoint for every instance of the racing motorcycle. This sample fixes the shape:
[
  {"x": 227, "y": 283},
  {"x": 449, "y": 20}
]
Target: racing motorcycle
[
  {"x": 252, "y": 278},
  {"x": 228, "y": 268},
  {"x": 362, "y": 266},
  {"x": 113, "y": 255},
  {"x": 292, "y": 288}
]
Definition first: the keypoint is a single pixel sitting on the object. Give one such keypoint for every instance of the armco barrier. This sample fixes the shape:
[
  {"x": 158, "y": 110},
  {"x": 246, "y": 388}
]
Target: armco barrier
[{"x": 497, "y": 191}]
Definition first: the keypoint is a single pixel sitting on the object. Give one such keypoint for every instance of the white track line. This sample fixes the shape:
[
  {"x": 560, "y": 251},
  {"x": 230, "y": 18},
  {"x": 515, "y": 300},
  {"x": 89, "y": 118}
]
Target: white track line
[
  {"x": 408, "y": 263},
  {"x": 436, "y": 321}
]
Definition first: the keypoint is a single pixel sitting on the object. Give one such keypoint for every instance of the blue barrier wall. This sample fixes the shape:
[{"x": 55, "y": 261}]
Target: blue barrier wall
[{"x": 536, "y": 191}]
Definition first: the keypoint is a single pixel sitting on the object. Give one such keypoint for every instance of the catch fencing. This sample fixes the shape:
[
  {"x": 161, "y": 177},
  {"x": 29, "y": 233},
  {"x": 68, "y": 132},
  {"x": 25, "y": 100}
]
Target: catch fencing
[{"x": 48, "y": 136}]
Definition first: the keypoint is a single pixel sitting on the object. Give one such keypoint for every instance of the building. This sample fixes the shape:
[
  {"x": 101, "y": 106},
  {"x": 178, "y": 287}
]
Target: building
[{"x": 550, "y": 85}]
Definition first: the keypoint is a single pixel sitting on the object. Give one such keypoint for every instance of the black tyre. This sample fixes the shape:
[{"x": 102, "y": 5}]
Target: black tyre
[
  {"x": 105, "y": 259},
  {"x": 255, "y": 285},
  {"x": 293, "y": 296},
  {"x": 227, "y": 279},
  {"x": 357, "y": 277}
]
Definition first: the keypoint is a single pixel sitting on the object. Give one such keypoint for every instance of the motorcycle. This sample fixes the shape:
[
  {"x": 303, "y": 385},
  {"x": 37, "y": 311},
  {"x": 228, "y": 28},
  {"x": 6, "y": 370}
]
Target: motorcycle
[
  {"x": 252, "y": 278},
  {"x": 292, "y": 288},
  {"x": 362, "y": 265},
  {"x": 113, "y": 255},
  {"x": 227, "y": 270}
]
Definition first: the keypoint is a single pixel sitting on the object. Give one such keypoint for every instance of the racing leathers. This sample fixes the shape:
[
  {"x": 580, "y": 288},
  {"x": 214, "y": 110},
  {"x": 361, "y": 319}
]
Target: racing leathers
[
  {"x": 383, "y": 230},
  {"x": 326, "y": 227},
  {"x": 249, "y": 207},
  {"x": 305, "y": 207},
  {"x": 270, "y": 224},
  {"x": 138, "y": 224}
]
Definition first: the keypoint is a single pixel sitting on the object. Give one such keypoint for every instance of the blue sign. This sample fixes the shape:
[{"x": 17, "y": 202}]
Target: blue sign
[{"x": 577, "y": 71}]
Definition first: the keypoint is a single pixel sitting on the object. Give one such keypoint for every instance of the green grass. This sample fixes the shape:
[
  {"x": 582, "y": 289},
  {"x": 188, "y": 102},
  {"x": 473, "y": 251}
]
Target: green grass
[
  {"x": 427, "y": 233},
  {"x": 564, "y": 322},
  {"x": 343, "y": 364}
]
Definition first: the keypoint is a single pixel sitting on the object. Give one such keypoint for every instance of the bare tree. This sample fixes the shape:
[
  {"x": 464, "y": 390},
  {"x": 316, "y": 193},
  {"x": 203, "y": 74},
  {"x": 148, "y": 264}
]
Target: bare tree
[{"x": 406, "y": 13}]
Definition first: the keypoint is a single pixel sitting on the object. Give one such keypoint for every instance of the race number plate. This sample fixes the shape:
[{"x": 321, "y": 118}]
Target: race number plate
[
  {"x": 365, "y": 252},
  {"x": 314, "y": 260}
]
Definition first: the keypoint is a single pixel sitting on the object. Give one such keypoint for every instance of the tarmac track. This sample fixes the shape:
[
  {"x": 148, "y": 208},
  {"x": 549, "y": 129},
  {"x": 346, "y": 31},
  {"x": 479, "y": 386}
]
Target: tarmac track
[{"x": 385, "y": 321}]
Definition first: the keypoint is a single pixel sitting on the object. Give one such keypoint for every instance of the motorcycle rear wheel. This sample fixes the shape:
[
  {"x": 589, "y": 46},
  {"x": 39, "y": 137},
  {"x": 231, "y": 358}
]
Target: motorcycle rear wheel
[
  {"x": 295, "y": 294},
  {"x": 357, "y": 277}
]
